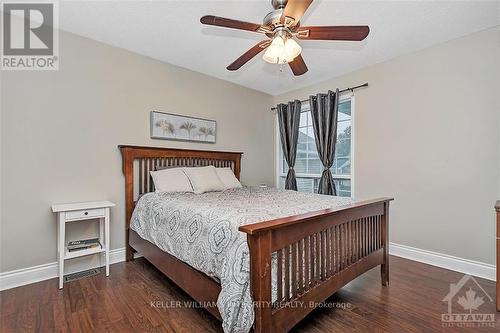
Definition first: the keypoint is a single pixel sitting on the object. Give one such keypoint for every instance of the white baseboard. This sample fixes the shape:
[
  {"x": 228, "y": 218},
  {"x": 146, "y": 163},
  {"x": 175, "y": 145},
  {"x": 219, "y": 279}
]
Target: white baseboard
[
  {"x": 33, "y": 274},
  {"x": 23, "y": 276},
  {"x": 466, "y": 266}
]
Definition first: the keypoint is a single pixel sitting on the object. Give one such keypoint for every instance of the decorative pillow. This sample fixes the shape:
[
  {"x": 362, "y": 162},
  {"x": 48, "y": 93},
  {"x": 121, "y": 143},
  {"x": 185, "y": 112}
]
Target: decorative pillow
[
  {"x": 171, "y": 180},
  {"x": 204, "y": 179},
  {"x": 227, "y": 177}
]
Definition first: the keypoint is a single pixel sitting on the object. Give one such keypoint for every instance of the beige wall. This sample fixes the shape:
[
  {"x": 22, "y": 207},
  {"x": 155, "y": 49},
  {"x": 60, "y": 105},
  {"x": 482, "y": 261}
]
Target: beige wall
[
  {"x": 427, "y": 133},
  {"x": 60, "y": 131}
]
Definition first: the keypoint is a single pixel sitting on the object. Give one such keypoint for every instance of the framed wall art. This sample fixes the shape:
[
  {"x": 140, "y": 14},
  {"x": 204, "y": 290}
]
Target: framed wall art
[{"x": 169, "y": 126}]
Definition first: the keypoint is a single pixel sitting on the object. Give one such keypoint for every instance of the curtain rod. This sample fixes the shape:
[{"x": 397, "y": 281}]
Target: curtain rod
[{"x": 351, "y": 89}]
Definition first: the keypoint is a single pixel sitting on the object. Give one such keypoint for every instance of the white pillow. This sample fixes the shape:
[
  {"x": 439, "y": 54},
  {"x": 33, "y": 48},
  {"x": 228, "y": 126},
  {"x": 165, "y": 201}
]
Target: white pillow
[
  {"x": 171, "y": 180},
  {"x": 227, "y": 177},
  {"x": 204, "y": 179}
]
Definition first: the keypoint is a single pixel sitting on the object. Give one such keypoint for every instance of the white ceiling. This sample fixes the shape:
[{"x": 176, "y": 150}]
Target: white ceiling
[{"x": 171, "y": 32}]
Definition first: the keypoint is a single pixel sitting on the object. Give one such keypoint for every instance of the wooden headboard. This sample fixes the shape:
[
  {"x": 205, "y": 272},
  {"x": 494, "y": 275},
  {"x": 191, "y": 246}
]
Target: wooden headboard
[{"x": 137, "y": 161}]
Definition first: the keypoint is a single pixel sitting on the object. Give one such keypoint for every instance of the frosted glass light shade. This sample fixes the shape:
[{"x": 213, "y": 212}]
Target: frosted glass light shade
[
  {"x": 292, "y": 49},
  {"x": 281, "y": 51},
  {"x": 275, "y": 51}
]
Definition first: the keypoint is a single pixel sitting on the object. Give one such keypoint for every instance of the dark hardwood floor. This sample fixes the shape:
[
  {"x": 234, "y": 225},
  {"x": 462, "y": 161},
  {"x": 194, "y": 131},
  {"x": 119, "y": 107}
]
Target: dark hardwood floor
[{"x": 123, "y": 303}]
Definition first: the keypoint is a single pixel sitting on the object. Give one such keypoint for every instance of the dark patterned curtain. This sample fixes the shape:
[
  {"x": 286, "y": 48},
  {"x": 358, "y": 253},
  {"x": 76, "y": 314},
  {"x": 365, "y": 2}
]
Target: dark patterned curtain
[
  {"x": 288, "y": 119},
  {"x": 324, "y": 113}
]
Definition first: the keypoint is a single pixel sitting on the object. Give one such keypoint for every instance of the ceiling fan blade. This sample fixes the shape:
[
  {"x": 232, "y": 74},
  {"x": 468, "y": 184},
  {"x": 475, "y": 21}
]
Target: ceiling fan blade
[
  {"x": 294, "y": 10},
  {"x": 298, "y": 66},
  {"x": 230, "y": 23},
  {"x": 354, "y": 33},
  {"x": 245, "y": 57}
]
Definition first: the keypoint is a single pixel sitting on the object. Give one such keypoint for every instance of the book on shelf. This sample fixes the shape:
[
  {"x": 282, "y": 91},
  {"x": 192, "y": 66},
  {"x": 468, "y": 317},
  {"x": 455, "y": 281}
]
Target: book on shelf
[
  {"x": 83, "y": 244},
  {"x": 83, "y": 241}
]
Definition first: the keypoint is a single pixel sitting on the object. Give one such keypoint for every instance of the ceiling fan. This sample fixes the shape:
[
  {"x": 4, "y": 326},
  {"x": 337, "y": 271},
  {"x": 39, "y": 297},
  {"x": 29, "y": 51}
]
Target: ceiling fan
[{"x": 282, "y": 27}]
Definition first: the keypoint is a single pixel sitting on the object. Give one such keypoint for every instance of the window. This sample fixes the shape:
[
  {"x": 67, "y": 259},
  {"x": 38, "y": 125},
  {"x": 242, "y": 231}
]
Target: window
[{"x": 308, "y": 167}]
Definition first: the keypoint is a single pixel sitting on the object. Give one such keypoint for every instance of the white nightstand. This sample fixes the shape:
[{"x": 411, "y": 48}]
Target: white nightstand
[{"x": 78, "y": 212}]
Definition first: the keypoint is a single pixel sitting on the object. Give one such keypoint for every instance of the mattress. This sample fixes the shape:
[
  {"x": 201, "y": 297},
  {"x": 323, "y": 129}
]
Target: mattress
[{"x": 202, "y": 231}]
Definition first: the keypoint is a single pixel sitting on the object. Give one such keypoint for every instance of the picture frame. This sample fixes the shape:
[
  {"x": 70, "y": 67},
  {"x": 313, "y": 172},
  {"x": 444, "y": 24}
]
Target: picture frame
[{"x": 169, "y": 126}]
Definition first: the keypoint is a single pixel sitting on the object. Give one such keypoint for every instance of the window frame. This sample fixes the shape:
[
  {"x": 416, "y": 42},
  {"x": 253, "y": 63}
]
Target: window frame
[{"x": 279, "y": 160}]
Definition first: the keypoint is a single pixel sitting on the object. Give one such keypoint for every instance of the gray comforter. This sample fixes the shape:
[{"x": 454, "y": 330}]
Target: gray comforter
[{"x": 202, "y": 230}]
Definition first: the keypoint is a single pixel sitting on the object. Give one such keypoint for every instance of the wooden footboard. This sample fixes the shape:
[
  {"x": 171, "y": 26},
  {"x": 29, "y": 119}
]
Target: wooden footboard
[{"x": 316, "y": 254}]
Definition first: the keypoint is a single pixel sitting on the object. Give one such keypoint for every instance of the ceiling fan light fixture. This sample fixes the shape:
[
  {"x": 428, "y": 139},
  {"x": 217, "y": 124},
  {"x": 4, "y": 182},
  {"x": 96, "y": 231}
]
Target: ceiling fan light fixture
[
  {"x": 282, "y": 50},
  {"x": 275, "y": 51}
]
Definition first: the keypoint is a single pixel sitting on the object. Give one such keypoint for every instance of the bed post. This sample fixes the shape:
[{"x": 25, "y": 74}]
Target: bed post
[
  {"x": 237, "y": 167},
  {"x": 384, "y": 268},
  {"x": 260, "y": 283},
  {"x": 128, "y": 171}
]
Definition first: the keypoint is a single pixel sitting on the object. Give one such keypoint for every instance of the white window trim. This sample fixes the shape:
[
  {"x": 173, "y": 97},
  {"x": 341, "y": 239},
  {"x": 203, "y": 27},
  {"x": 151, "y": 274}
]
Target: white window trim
[{"x": 279, "y": 161}]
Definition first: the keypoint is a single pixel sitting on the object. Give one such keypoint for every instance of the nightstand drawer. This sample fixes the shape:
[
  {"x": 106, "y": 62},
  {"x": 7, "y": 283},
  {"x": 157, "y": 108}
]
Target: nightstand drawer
[{"x": 85, "y": 214}]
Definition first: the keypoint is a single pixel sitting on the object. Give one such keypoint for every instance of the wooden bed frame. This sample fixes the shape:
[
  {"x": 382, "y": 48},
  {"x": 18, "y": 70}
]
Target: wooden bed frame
[{"x": 327, "y": 249}]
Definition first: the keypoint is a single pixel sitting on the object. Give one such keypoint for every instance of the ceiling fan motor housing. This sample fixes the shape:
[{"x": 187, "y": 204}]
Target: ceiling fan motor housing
[
  {"x": 279, "y": 4},
  {"x": 273, "y": 19}
]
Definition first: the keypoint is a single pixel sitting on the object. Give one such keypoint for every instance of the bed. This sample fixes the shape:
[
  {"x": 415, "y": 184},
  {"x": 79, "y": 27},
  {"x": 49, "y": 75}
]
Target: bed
[{"x": 288, "y": 257}]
